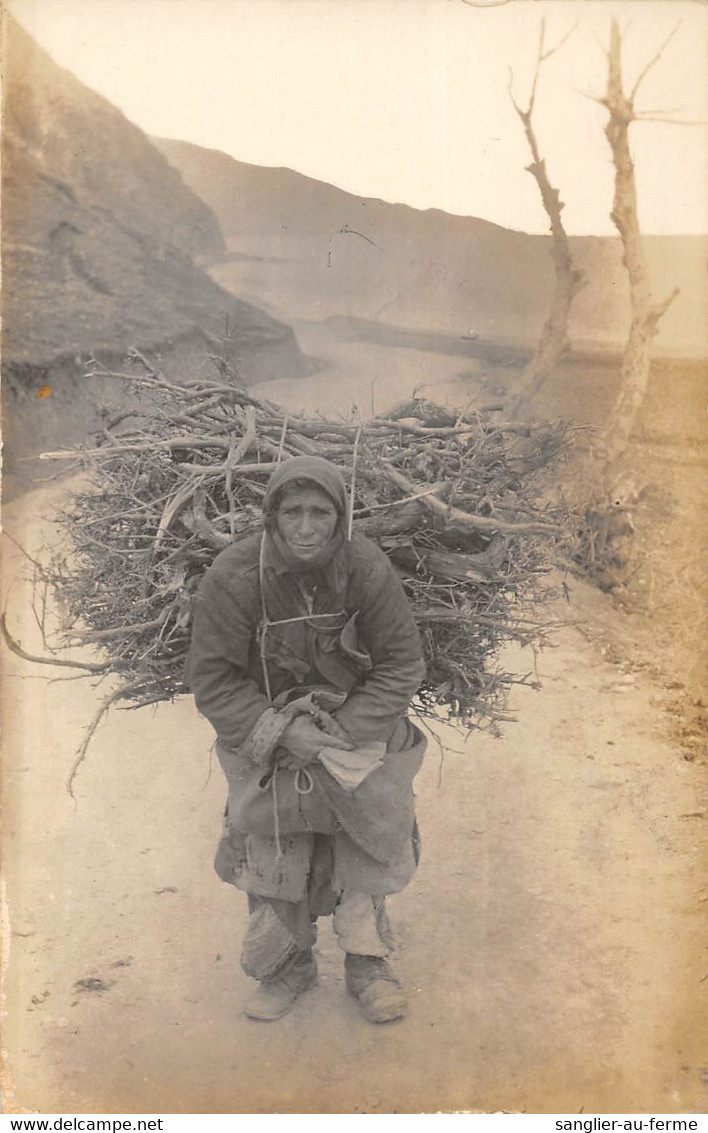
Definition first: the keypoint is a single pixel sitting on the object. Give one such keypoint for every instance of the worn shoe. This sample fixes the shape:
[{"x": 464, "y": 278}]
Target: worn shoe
[
  {"x": 275, "y": 997},
  {"x": 380, "y": 994}
]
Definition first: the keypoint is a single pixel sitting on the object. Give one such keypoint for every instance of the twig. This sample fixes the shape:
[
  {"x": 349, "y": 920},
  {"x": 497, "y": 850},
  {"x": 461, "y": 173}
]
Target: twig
[
  {"x": 554, "y": 341},
  {"x": 16, "y": 648},
  {"x": 432, "y": 490},
  {"x": 353, "y": 483},
  {"x": 559, "y": 44},
  {"x": 122, "y": 631},
  {"x": 641, "y": 117},
  {"x": 135, "y": 356},
  {"x": 119, "y": 694},
  {"x": 463, "y": 518},
  {"x": 30, "y": 559},
  {"x": 181, "y": 497},
  {"x": 189, "y": 441},
  {"x": 461, "y": 415},
  {"x": 283, "y": 434},
  {"x": 140, "y": 500},
  {"x": 236, "y": 453},
  {"x": 652, "y": 62},
  {"x": 151, "y": 383}
]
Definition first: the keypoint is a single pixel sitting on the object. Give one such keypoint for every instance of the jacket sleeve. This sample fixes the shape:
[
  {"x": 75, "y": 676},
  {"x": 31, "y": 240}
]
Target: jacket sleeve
[
  {"x": 218, "y": 663},
  {"x": 388, "y": 631}
]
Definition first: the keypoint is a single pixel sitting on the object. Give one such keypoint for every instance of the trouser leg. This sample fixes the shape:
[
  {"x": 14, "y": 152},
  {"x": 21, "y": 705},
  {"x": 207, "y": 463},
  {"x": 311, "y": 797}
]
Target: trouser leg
[
  {"x": 277, "y": 948},
  {"x": 363, "y": 932},
  {"x": 281, "y": 934},
  {"x": 277, "y": 932},
  {"x": 277, "y": 951},
  {"x": 361, "y": 924}
]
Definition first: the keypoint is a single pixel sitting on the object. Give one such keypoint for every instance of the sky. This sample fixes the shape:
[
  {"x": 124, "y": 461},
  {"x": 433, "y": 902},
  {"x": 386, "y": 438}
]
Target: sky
[{"x": 407, "y": 100}]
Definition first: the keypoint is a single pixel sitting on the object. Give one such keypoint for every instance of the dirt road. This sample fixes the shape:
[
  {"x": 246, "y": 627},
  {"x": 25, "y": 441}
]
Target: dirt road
[{"x": 551, "y": 940}]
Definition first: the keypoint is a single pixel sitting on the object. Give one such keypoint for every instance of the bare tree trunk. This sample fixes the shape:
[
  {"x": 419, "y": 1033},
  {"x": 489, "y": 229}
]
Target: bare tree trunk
[
  {"x": 645, "y": 312},
  {"x": 609, "y": 527},
  {"x": 554, "y": 341}
]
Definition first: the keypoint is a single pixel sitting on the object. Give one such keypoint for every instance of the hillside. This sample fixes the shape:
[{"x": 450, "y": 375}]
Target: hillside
[
  {"x": 99, "y": 232},
  {"x": 308, "y": 250},
  {"x": 100, "y": 242}
]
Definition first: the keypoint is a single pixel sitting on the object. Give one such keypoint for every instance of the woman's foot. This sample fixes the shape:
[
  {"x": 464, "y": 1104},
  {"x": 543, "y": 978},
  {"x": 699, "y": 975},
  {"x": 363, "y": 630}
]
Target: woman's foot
[
  {"x": 371, "y": 981},
  {"x": 274, "y": 997}
]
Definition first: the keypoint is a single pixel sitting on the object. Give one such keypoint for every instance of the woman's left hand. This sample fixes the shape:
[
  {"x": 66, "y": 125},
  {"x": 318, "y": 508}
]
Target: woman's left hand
[
  {"x": 304, "y": 741},
  {"x": 293, "y": 763}
]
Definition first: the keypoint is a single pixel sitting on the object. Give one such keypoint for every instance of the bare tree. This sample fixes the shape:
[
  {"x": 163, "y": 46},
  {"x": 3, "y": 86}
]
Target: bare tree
[
  {"x": 646, "y": 313},
  {"x": 609, "y": 524},
  {"x": 554, "y": 341}
]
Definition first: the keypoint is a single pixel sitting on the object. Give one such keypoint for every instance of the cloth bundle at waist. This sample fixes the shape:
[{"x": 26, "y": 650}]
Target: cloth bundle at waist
[{"x": 351, "y": 768}]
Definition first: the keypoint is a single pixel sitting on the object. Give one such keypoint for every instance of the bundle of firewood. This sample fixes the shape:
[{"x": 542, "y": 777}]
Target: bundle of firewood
[{"x": 452, "y": 498}]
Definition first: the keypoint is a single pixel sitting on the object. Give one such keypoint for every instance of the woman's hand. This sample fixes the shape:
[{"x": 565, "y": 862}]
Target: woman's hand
[{"x": 304, "y": 742}]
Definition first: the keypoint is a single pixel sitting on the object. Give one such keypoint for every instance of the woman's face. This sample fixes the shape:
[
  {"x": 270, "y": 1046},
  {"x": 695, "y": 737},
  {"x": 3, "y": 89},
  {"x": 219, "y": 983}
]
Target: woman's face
[{"x": 306, "y": 520}]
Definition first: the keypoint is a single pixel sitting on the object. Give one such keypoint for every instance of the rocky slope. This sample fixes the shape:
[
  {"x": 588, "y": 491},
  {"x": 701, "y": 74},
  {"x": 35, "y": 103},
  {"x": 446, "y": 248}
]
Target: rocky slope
[
  {"x": 309, "y": 250},
  {"x": 100, "y": 239}
]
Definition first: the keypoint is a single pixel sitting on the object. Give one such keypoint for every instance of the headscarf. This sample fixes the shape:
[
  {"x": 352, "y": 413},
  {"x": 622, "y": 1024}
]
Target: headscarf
[
  {"x": 320, "y": 644},
  {"x": 319, "y": 471},
  {"x": 323, "y": 475}
]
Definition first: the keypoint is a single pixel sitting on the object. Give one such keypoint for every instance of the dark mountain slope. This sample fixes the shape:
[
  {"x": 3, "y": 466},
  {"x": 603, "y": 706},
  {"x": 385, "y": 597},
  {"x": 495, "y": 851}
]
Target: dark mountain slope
[
  {"x": 100, "y": 237},
  {"x": 99, "y": 231}
]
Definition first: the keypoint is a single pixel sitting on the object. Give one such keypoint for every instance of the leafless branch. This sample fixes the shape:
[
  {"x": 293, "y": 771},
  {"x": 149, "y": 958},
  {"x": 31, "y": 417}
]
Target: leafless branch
[
  {"x": 646, "y": 313},
  {"x": 466, "y": 520},
  {"x": 661, "y": 308},
  {"x": 40, "y": 615},
  {"x": 599, "y": 99},
  {"x": 557, "y": 47},
  {"x": 554, "y": 339},
  {"x": 671, "y": 121},
  {"x": 119, "y": 694},
  {"x": 653, "y": 61},
  {"x": 73, "y": 677},
  {"x": 15, "y": 647},
  {"x": 541, "y": 58},
  {"x": 39, "y": 568},
  {"x": 510, "y": 88},
  {"x": 62, "y": 474},
  {"x": 659, "y": 110},
  {"x": 143, "y": 632},
  {"x": 600, "y": 44}
]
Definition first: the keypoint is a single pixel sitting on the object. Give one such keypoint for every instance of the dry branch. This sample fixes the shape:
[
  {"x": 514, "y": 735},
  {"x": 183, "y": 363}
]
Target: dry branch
[
  {"x": 120, "y": 694},
  {"x": 646, "y": 313},
  {"x": 569, "y": 280},
  {"x": 452, "y": 499},
  {"x": 15, "y": 647},
  {"x": 464, "y": 519}
]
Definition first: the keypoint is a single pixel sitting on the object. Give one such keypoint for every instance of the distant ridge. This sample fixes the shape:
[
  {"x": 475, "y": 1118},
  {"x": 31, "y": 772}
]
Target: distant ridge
[{"x": 306, "y": 249}]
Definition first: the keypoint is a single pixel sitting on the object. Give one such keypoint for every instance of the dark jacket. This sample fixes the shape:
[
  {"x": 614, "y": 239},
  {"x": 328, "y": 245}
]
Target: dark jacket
[
  {"x": 368, "y": 647},
  {"x": 224, "y": 668}
]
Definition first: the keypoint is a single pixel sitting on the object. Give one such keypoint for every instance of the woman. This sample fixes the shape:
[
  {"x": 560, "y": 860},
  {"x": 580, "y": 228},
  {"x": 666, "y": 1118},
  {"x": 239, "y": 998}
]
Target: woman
[{"x": 304, "y": 658}]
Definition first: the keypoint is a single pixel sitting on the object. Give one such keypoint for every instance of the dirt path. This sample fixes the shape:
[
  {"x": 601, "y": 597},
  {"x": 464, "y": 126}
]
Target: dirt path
[{"x": 551, "y": 941}]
